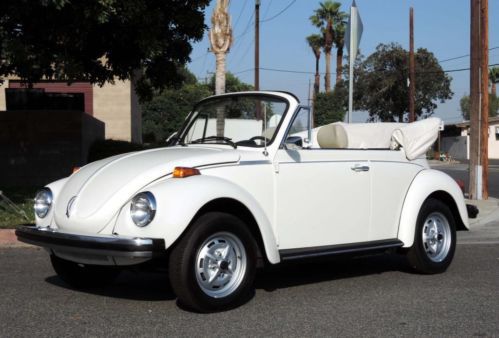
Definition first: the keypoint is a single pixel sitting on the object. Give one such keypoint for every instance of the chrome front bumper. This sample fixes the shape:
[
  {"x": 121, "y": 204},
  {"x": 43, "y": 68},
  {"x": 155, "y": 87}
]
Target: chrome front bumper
[{"x": 97, "y": 250}]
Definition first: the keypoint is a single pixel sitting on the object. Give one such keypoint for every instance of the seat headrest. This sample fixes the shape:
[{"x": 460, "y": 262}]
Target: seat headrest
[{"x": 332, "y": 136}]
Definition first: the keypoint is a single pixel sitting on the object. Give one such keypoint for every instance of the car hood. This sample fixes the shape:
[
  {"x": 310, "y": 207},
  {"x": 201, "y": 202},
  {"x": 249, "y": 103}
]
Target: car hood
[{"x": 97, "y": 191}]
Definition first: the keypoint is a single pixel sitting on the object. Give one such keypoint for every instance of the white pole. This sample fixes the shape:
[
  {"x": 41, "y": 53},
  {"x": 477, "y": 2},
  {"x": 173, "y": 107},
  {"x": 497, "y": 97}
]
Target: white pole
[
  {"x": 350, "y": 92},
  {"x": 354, "y": 33}
]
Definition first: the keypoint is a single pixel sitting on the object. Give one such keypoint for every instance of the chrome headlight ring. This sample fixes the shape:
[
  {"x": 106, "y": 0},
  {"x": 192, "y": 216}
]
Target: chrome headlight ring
[
  {"x": 143, "y": 208},
  {"x": 43, "y": 202}
]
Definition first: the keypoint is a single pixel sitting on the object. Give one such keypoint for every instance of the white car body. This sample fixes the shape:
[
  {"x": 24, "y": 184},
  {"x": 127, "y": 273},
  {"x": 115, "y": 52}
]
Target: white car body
[{"x": 300, "y": 202}]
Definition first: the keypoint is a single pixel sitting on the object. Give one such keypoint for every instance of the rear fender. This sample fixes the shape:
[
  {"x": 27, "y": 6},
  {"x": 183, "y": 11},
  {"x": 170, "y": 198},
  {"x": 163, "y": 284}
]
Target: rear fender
[{"x": 430, "y": 183}]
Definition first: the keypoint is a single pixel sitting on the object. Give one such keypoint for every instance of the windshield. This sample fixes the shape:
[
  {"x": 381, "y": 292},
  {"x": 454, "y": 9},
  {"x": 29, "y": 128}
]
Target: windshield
[{"x": 242, "y": 120}]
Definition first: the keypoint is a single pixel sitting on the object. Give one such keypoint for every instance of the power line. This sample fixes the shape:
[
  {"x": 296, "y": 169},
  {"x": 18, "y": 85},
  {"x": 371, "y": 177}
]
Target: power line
[
  {"x": 237, "y": 44},
  {"x": 244, "y": 71},
  {"x": 248, "y": 25},
  {"x": 240, "y": 13},
  {"x": 463, "y": 56},
  {"x": 246, "y": 52},
  {"x": 282, "y": 11},
  {"x": 288, "y": 71},
  {"x": 267, "y": 10},
  {"x": 379, "y": 71}
]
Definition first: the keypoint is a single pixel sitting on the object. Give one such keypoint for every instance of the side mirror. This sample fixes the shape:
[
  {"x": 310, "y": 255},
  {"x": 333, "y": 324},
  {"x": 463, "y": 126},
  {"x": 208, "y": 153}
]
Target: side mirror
[
  {"x": 171, "y": 139},
  {"x": 293, "y": 142}
]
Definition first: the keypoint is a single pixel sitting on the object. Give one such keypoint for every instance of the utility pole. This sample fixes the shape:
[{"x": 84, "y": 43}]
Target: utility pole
[
  {"x": 257, "y": 44},
  {"x": 484, "y": 149},
  {"x": 475, "y": 186},
  {"x": 412, "y": 74}
]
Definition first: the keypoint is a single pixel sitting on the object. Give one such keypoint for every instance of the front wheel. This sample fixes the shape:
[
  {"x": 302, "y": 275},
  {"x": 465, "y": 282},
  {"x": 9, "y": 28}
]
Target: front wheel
[
  {"x": 434, "y": 238},
  {"x": 213, "y": 265}
]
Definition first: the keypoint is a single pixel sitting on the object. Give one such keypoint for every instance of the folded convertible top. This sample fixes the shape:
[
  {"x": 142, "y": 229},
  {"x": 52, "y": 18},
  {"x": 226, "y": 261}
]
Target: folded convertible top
[{"x": 415, "y": 138}]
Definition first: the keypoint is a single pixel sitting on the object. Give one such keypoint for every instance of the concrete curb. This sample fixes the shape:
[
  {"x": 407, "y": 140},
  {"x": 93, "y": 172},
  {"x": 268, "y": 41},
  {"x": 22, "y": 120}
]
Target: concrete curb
[{"x": 8, "y": 239}]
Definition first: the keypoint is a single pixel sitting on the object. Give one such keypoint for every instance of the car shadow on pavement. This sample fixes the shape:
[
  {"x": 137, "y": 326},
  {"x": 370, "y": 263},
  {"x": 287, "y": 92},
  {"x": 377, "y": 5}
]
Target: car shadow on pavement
[
  {"x": 154, "y": 286},
  {"x": 328, "y": 269},
  {"x": 143, "y": 286}
]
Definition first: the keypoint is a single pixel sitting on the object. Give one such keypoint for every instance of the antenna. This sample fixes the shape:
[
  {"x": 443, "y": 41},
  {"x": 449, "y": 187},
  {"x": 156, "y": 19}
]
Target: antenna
[{"x": 265, "y": 152}]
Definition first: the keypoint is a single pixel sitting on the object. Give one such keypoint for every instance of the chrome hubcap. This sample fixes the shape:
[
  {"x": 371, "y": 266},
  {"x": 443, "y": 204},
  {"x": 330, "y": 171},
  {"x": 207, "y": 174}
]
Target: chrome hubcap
[
  {"x": 220, "y": 264},
  {"x": 436, "y": 237}
]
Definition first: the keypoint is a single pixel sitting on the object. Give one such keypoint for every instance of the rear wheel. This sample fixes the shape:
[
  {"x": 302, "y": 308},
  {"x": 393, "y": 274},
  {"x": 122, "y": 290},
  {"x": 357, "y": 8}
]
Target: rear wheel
[
  {"x": 434, "y": 238},
  {"x": 83, "y": 276},
  {"x": 213, "y": 265}
]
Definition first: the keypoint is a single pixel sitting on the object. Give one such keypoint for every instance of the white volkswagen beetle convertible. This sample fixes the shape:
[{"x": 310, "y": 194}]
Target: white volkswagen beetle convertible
[{"x": 248, "y": 179}]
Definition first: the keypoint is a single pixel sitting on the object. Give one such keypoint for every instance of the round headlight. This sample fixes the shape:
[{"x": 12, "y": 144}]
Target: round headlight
[
  {"x": 143, "y": 209},
  {"x": 43, "y": 202}
]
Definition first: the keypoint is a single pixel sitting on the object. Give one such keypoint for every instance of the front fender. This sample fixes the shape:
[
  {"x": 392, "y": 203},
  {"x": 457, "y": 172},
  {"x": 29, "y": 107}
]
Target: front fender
[
  {"x": 424, "y": 184},
  {"x": 178, "y": 201}
]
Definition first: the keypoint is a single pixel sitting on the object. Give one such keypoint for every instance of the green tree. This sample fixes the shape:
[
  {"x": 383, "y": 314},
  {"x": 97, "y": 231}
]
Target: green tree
[
  {"x": 494, "y": 78},
  {"x": 324, "y": 18},
  {"x": 232, "y": 84},
  {"x": 340, "y": 27},
  {"x": 165, "y": 113},
  {"x": 330, "y": 107},
  {"x": 315, "y": 41},
  {"x": 464, "y": 103},
  {"x": 382, "y": 82},
  {"x": 99, "y": 40}
]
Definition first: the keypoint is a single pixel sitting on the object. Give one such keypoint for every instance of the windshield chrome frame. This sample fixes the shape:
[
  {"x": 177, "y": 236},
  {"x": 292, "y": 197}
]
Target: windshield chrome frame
[{"x": 293, "y": 117}]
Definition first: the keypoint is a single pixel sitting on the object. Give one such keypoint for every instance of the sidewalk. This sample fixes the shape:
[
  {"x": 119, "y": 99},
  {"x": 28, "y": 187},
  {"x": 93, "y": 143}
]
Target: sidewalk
[{"x": 488, "y": 212}]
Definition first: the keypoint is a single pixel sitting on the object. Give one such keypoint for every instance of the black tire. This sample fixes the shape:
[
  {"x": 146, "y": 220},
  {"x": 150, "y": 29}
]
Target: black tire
[
  {"x": 434, "y": 238},
  {"x": 83, "y": 276},
  {"x": 188, "y": 265}
]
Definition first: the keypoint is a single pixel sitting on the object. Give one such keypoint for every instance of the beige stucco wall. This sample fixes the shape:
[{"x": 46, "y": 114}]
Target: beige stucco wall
[
  {"x": 3, "y": 105},
  {"x": 136, "y": 118},
  {"x": 117, "y": 106},
  {"x": 114, "y": 104},
  {"x": 493, "y": 141}
]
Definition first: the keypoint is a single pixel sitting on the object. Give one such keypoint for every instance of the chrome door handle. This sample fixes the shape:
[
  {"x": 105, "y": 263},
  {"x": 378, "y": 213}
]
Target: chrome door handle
[{"x": 359, "y": 167}]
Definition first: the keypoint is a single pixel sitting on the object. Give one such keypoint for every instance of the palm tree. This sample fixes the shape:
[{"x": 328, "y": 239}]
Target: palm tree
[
  {"x": 494, "y": 78},
  {"x": 221, "y": 40},
  {"x": 315, "y": 41},
  {"x": 324, "y": 18},
  {"x": 339, "y": 41}
]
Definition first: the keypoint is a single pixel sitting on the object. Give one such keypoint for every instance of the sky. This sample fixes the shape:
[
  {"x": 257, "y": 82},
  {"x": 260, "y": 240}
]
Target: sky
[{"x": 441, "y": 26}]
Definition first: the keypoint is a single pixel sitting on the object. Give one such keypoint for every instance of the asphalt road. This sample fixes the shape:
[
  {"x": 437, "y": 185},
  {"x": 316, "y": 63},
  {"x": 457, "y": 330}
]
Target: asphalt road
[
  {"x": 460, "y": 171},
  {"x": 368, "y": 296}
]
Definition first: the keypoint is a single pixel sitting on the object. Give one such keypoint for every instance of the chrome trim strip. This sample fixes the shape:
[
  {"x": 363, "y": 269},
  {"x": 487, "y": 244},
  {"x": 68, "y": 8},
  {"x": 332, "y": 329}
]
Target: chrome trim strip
[
  {"x": 259, "y": 162},
  {"x": 291, "y": 254}
]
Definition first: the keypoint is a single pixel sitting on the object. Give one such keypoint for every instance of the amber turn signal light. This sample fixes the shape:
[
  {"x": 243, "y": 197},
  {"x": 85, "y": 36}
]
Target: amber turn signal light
[{"x": 183, "y": 172}]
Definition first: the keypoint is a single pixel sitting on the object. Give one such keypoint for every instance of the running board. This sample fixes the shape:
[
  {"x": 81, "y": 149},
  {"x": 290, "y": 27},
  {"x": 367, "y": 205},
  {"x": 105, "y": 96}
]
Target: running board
[{"x": 330, "y": 250}]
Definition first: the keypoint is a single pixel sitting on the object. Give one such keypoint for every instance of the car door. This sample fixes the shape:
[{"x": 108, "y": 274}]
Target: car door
[{"x": 322, "y": 196}]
